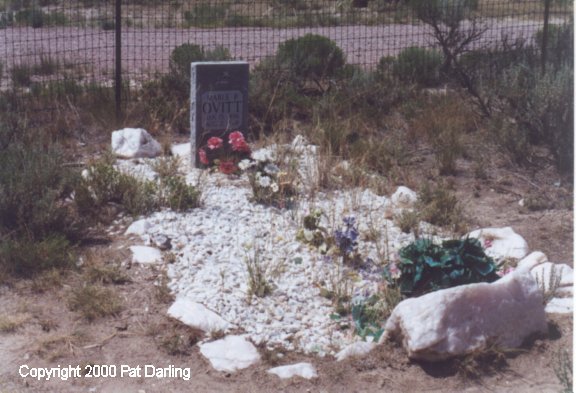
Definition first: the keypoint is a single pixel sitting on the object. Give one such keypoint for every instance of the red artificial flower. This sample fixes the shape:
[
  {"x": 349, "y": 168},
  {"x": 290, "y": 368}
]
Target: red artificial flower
[
  {"x": 235, "y": 137},
  {"x": 215, "y": 143},
  {"x": 241, "y": 146},
  {"x": 203, "y": 157},
  {"x": 227, "y": 167}
]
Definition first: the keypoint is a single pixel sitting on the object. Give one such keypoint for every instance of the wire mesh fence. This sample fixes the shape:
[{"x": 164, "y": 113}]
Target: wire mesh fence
[{"x": 54, "y": 40}]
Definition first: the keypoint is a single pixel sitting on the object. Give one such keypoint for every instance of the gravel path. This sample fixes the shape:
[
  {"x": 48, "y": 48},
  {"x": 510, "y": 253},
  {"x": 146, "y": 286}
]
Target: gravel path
[{"x": 148, "y": 50}]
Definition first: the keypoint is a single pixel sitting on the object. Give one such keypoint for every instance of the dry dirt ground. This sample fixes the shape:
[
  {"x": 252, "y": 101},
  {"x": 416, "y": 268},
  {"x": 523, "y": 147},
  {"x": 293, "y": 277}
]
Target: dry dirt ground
[{"x": 48, "y": 334}]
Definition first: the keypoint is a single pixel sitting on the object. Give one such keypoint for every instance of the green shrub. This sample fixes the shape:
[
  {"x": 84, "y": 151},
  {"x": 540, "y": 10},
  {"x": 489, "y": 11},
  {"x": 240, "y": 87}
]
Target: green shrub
[
  {"x": 560, "y": 47},
  {"x": 179, "y": 64},
  {"x": 205, "y": 15},
  {"x": 30, "y": 17},
  {"x": 448, "y": 12},
  {"x": 426, "y": 267},
  {"x": 542, "y": 106},
  {"x": 310, "y": 58},
  {"x": 417, "y": 65},
  {"x": 21, "y": 75}
]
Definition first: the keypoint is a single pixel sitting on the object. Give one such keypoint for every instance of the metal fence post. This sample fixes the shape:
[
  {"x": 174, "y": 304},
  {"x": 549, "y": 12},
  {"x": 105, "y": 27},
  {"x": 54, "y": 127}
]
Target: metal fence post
[
  {"x": 545, "y": 35},
  {"x": 118, "y": 65}
]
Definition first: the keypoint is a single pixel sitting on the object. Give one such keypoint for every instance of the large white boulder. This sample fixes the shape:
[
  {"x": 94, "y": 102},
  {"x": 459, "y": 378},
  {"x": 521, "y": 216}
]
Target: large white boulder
[
  {"x": 459, "y": 320},
  {"x": 230, "y": 353},
  {"x": 304, "y": 370},
  {"x": 501, "y": 243},
  {"x": 198, "y": 316},
  {"x": 135, "y": 143}
]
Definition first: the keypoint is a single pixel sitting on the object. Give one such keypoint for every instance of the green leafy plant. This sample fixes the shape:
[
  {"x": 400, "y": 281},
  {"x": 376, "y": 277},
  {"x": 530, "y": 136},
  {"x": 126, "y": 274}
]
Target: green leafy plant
[
  {"x": 368, "y": 316},
  {"x": 425, "y": 266},
  {"x": 258, "y": 283}
]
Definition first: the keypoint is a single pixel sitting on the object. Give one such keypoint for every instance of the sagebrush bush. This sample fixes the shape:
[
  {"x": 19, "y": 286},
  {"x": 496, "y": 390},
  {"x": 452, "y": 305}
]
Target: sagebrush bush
[
  {"x": 311, "y": 57},
  {"x": 542, "y": 106},
  {"x": 36, "y": 223},
  {"x": 417, "y": 65}
]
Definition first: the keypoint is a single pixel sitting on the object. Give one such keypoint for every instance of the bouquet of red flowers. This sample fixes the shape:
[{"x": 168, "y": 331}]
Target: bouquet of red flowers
[{"x": 225, "y": 154}]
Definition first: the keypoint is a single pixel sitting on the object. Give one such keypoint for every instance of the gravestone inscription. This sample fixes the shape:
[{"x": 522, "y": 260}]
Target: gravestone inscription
[{"x": 218, "y": 102}]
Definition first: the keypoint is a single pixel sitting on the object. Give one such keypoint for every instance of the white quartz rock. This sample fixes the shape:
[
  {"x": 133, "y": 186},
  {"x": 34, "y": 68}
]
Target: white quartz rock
[
  {"x": 404, "y": 197},
  {"x": 459, "y": 320},
  {"x": 304, "y": 370},
  {"x": 145, "y": 254},
  {"x": 230, "y": 353},
  {"x": 139, "y": 227},
  {"x": 198, "y": 316},
  {"x": 560, "y": 305},
  {"x": 181, "y": 150},
  {"x": 135, "y": 143},
  {"x": 532, "y": 260},
  {"x": 359, "y": 348},
  {"x": 501, "y": 242}
]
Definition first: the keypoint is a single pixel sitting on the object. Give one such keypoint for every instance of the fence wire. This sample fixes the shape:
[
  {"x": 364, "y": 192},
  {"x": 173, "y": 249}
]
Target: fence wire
[{"x": 54, "y": 40}]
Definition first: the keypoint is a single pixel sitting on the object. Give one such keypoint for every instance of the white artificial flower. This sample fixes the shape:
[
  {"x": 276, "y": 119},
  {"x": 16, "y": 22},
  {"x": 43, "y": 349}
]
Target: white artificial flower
[
  {"x": 308, "y": 235},
  {"x": 274, "y": 187},
  {"x": 271, "y": 169},
  {"x": 263, "y": 155},
  {"x": 245, "y": 164},
  {"x": 264, "y": 181}
]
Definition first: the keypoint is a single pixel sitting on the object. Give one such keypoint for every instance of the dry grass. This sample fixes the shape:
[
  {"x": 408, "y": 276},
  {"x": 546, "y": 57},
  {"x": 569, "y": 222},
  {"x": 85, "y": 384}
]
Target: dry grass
[
  {"x": 58, "y": 346},
  {"x": 94, "y": 302},
  {"x": 9, "y": 323}
]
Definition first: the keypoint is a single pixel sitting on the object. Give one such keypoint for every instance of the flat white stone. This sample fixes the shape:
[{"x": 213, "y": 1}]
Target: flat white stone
[
  {"x": 145, "y": 254},
  {"x": 560, "y": 305},
  {"x": 404, "y": 197},
  {"x": 139, "y": 227},
  {"x": 134, "y": 143},
  {"x": 359, "y": 348},
  {"x": 543, "y": 273},
  {"x": 181, "y": 150},
  {"x": 197, "y": 315},
  {"x": 459, "y": 320},
  {"x": 304, "y": 370},
  {"x": 230, "y": 353},
  {"x": 501, "y": 242}
]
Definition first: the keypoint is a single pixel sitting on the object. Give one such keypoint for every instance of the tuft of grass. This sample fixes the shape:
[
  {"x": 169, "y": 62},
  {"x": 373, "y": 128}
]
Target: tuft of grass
[
  {"x": 408, "y": 221},
  {"x": 102, "y": 266},
  {"x": 58, "y": 346},
  {"x": 548, "y": 288},
  {"x": 485, "y": 361},
  {"x": 47, "y": 280},
  {"x": 94, "y": 302},
  {"x": 439, "y": 206},
  {"x": 258, "y": 284},
  {"x": 11, "y": 323},
  {"x": 162, "y": 292}
]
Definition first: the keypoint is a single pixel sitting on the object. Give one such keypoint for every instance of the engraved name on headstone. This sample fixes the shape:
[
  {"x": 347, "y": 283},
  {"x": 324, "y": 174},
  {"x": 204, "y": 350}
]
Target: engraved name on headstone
[{"x": 218, "y": 101}]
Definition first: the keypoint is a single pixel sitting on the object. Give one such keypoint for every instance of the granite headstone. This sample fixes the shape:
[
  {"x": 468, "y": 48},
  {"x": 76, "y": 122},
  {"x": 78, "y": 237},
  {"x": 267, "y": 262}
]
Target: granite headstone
[{"x": 218, "y": 101}]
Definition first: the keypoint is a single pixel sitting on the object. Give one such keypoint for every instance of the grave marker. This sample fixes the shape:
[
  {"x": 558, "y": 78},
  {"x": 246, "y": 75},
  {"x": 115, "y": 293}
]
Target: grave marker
[{"x": 218, "y": 101}]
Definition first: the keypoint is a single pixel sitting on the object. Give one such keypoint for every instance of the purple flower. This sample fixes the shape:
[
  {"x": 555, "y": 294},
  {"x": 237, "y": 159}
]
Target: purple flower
[{"x": 346, "y": 240}]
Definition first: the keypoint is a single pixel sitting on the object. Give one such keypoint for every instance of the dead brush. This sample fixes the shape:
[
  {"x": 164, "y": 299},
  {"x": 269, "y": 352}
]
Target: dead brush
[
  {"x": 486, "y": 361},
  {"x": 10, "y": 323},
  {"x": 103, "y": 267},
  {"x": 58, "y": 346}
]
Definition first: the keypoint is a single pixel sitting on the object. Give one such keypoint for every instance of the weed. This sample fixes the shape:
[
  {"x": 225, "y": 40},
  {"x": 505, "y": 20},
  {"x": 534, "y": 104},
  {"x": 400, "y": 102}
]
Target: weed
[
  {"x": 11, "y": 323},
  {"x": 162, "y": 292},
  {"x": 564, "y": 371},
  {"x": 258, "y": 284},
  {"x": 94, "y": 302},
  {"x": 439, "y": 206},
  {"x": 549, "y": 287},
  {"x": 47, "y": 280},
  {"x": 167, "y": 167},
  {"x": 408, "y": 221},
  {"x": 58, "y": 346},
  {"x": 485, "y": 361},
  {"x": 21, "y": 75}
]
